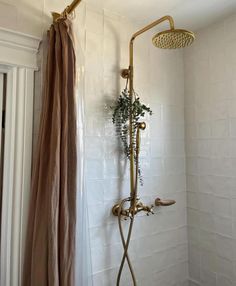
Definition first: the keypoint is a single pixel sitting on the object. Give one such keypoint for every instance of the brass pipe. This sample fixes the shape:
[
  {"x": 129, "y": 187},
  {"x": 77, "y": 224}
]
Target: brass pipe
[
  {"x": 153, "y": 24},
  {"x": 68, "y": 10},
  {"x": 133, "y": 193},
  {"x": 72, "y": 6}
]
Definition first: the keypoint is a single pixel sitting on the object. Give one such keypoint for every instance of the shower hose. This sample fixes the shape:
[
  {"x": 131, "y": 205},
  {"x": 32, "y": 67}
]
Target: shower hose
[{"x": 129, "y": 199}]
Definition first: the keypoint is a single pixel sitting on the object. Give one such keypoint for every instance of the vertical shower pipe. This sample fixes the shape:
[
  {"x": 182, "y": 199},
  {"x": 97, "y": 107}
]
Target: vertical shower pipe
[{"x": 133, "y": 193}]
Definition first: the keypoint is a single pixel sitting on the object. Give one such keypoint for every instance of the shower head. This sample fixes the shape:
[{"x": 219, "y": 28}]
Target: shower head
[{"x": 173, "y": 39}]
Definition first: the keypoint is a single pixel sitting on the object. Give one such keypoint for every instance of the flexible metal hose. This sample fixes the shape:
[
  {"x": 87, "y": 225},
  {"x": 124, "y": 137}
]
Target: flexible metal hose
[{"x": 126, "y": 244}]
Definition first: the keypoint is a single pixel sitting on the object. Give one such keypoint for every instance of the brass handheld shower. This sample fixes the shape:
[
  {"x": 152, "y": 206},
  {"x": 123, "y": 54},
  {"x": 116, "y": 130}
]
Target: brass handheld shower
[{"x": 169, "y": 39}]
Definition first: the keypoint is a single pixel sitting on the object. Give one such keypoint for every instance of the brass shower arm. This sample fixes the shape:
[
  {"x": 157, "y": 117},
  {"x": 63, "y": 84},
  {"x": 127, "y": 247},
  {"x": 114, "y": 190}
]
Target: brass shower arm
[
  {"x": 128, "y": 73},
  {"x": 143, "y": 30},
  {"x": 68, "y": 10},
  {"x": 152, "y": 25}
]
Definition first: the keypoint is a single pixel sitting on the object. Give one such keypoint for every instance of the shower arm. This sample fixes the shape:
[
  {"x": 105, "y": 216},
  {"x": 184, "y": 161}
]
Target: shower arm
[
  {"x": 125, "y": 73},
  {"x": 129, "y": 73}
]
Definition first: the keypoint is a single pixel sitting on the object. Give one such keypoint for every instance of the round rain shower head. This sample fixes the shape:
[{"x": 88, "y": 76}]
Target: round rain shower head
[{"x": 173, "y": 39}]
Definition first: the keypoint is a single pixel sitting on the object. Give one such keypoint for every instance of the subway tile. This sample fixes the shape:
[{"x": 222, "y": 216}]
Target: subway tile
[
  {"x": 98, "y": 279},
  {"x": 207, "y": 242},
  {"x": 193, "y": 217},
  {"x": 225, "y": 268},
  {"x": 221, "y": 186},
  {"x": 192, "y": 183},
  {"x": 220, "y": 128},
  {"x": 157, "y": 147},
  {"x": 222, "y": 206},
  {"x": 94, "y": 19},
  {"x": 232, "y": 124},
  {"x": 204, "y": 130},
  {"x": 223, "y": 281},
  {"x": 94, "y": 147},
  {"x": 193, "y": 283},
  {"x": 174, "y": 165},
  {"x": 194, "y": 271},
  {"x": 219, "y": 109},
  {"x": 224, "y": 246},
  {"x": 193, "y": 200},
  {"x": 219, "y": 148},
  {"x": 204, "y": 166},
  {"x": 233, "y": 204},
  {"x": 206, "y": 203},
  {"x": 234, "y": 229},
  {"x": 206, "y": 221},
  {"x": 97, "y": 215},
  {"x": 95, "y": 191},
  {"x": 223, "y": 225},
  {"x": 94, "y": 169},
  {"x": 114, "y": 189},
  {"x": 208, "y": 261},
  {"x": 208, "y": 278}
]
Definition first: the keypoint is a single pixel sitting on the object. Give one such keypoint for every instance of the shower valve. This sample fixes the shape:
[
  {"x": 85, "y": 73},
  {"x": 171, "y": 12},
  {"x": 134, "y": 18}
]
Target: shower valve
[
  {"x": 139, "y": 207},
  {"x": 129, "y": 212}
]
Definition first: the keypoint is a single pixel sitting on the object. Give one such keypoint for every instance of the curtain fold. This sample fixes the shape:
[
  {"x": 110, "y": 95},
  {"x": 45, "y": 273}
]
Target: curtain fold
[{"x": 50, "y": 242}]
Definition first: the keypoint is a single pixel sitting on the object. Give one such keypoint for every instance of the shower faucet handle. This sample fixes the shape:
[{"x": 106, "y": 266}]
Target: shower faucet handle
[
  {"x": 164, "y": 203},
  {"x": 149, "y": 210}
]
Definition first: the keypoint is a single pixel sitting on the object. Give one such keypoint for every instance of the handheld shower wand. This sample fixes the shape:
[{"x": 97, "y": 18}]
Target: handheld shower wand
[{"x": 169, "y": 39}]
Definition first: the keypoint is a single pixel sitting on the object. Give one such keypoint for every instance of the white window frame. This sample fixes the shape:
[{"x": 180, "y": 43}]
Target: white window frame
[{"x": 18, "y": 59}]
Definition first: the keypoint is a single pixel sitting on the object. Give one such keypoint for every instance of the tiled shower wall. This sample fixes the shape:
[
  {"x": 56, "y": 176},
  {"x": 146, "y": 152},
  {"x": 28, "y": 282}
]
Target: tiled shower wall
[
  {"x": 210, "y": 116},
  {"x": 159, "y": 243}
]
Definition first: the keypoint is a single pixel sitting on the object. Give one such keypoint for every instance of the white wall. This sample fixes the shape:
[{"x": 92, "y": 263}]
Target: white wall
[
  {"x": 159, "y": 243},
  {"x": 210, "y": 116}
]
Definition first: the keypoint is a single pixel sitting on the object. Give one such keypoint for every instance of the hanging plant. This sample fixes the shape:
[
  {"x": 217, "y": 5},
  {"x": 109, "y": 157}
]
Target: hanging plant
[{"x": 120, "y": 117}]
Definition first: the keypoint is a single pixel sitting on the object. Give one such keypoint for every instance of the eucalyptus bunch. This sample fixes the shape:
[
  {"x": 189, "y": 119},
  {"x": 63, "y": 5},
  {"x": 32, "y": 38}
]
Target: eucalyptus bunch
[{"x": 120, "y": 118}]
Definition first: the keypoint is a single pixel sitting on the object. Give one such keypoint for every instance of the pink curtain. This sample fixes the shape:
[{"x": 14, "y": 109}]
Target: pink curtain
[{"x": 50, "y": 245}]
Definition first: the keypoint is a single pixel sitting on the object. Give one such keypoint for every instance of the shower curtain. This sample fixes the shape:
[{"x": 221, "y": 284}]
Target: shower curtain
[
  {"x": 50, "y": 242},
  {"x": 83, "y": 264}
]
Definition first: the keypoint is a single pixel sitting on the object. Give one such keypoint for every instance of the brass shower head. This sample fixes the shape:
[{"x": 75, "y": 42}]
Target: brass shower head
[{"x": 173, "y": 39}]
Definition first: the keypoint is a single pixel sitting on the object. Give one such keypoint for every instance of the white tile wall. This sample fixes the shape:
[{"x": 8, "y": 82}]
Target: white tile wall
[{"x": 210, "y": 146}]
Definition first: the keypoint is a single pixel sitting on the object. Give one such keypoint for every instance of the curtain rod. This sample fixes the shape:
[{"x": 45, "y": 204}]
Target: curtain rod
[{"x": 69, "y": 9}]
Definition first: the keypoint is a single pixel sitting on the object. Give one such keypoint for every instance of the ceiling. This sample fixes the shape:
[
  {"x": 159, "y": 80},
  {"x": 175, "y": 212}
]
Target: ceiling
[{"x": 193, "y": 14}]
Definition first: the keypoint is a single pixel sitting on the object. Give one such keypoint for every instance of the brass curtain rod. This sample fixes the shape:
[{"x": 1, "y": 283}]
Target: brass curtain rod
[{"x": 68, "y": 10}]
